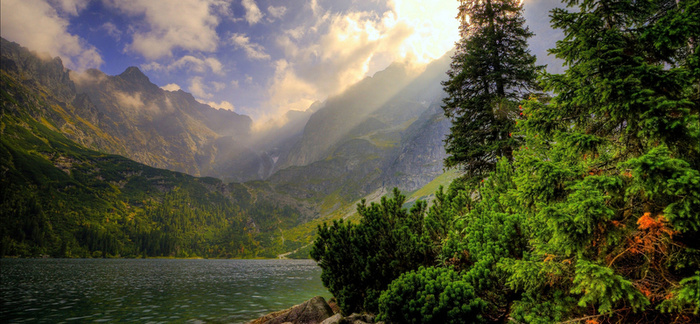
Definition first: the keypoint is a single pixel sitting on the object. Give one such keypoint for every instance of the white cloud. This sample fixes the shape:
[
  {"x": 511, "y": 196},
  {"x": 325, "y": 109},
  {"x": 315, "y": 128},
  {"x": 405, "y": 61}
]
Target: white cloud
[
  {"x": 288, "y": 91},
  {"x": 218, "y": 86},
  {"x": 189, "y": 25},
  {"x": 202, "y": 90},
  {"x": 198, "y": 89},
  {"x": 252, "y": 12},
  {"x": 351, "y": 46},
  {"x": 112, "y": 30},
  {"x": 193, "y": 64},
  {"x": 71, "y": 7},
  {"x": 221, "y": 105},
  {"x": 171, "y": 87},
  {"x": 327, "y": 54},
  {"x": 434, "y": 34},
  {"x": 126, "y": 100},
  {"x": 37, "y": 26},
  {"x": 253, "y": 50},
  {"x": 87, "y": 77},
  {"x": 277, "y": 12},
  {"x": 315, "y": 8}
]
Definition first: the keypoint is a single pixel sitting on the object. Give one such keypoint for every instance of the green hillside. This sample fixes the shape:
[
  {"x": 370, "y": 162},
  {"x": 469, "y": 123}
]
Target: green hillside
[{"x": 63, "y": 200}]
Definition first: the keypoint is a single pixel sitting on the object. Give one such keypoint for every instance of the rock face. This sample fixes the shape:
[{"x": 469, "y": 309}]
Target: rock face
[{"x": 312, "y": 311}]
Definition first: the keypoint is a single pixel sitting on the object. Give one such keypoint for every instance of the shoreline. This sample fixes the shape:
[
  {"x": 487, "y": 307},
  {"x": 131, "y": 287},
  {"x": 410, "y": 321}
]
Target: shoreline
[{"x": 146, "y": 258}]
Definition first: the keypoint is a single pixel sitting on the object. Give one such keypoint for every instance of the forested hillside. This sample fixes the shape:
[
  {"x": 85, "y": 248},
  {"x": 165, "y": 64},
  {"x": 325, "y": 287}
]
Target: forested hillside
[
  {"x": 396, "y": 141},
  {"x": 580, "y": 195},
  {"x": 63, "y": 200}
]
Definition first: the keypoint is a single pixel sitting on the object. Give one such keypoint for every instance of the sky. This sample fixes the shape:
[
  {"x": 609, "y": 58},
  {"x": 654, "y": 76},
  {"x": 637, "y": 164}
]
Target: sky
[{"x": 260, "y": 58}]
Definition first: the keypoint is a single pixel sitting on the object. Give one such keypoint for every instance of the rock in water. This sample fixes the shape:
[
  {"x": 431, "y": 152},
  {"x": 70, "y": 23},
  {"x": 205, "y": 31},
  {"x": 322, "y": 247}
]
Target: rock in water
[{"x": 312, "y": 311}]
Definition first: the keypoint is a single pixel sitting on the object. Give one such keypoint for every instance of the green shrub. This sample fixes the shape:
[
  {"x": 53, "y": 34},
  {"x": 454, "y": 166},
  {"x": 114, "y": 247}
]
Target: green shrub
[
  {"x": 360, "y": 260},
  {"x": 430, "y": 295}
]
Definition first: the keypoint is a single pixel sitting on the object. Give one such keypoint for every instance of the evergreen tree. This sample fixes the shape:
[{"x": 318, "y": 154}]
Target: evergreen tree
[
  {"x": 360, "y": 260},
  {"x": 491, "y": 71},
  {"x": 608, "y": 174}
]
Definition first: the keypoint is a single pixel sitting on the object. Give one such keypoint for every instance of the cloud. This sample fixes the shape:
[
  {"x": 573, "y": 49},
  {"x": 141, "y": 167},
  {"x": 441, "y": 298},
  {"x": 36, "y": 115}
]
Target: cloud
[
  {"x": 87, "y": 77},
  {"x": 38, "y": 26},
  {"x": 218, "y": 86},
  {"x": 191, "y": 63},
  {"x": 288, "y": 91},
  {"x": 126, "y": 100},
  {"x": 189, "y": 25},
  {"x": 349, "y": 47},
  {"x": 253, "y": 50},
  {"x": 433, "y": 34},
  {"x": 171, "y": 87},
  {"x": 112, "y": 30},
  {"x": 221, "y": 105},
  {"x": 198, "y": 89},
  {"x": 335, "y": 49},
  {"x": 71, "y": 7},
  {"x": 277, "y": 12},
  {"x": 252, "y": 12},
  {"x": 201, "y": 90}
]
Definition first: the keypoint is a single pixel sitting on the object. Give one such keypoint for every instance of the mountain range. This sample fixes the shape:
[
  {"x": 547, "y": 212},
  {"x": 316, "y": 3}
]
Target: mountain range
[{"x": 385, "y": 131}]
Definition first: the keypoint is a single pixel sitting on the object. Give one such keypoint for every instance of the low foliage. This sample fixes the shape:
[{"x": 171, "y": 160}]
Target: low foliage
[
  {"x": 360, "y": 260},
  {"x": 430, "y": 295}
]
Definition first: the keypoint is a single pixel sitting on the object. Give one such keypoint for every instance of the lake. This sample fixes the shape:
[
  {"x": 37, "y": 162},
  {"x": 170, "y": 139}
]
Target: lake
[{"x": 152, "y": 290}]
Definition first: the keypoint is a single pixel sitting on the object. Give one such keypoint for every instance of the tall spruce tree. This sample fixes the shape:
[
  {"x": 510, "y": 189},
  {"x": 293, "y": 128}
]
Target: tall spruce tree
[{"x": 492, "y": 70}]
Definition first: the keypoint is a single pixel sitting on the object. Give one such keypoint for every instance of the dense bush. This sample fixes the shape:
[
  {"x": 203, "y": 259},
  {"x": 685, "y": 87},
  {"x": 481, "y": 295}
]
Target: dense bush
[
  {"x": 360, "y": 260},
  {"x": 430, "y": 295}
]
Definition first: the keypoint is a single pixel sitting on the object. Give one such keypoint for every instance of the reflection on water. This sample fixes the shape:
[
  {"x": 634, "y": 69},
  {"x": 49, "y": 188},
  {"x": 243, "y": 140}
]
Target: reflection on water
[{"x": 155, "y": 291}]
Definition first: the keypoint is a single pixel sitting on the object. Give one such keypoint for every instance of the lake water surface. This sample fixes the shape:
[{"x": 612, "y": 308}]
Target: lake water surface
[{"x": 152, "y": 290}]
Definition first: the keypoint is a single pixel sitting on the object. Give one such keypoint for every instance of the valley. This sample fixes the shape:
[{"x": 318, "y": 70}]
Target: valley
[{"x": 99, "y": 165}]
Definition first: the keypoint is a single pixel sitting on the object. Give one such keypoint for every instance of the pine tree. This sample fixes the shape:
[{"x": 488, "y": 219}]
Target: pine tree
[
  {"x": 491, "y": 71},
  {"x": 609, "y": 170},
  {"x": 360, "y": 260}
]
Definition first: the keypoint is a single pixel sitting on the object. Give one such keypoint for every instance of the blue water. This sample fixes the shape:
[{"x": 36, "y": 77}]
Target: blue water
[{"x": 152, "y": 290}]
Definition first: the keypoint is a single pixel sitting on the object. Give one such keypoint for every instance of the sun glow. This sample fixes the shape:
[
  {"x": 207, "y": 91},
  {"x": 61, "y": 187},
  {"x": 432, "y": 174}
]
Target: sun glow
[{"x": 434, "y": 24}]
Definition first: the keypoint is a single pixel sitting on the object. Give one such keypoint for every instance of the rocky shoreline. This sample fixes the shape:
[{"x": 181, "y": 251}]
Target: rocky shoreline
[{"x": 314, "y": 311}]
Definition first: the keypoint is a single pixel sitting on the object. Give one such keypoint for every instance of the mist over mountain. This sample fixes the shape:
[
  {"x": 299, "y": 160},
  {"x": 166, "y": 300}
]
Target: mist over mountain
[
  {"x": 386, "y": 131},
  {"x": 128, "y": 115},
  {"x": 377, "y": 134}
]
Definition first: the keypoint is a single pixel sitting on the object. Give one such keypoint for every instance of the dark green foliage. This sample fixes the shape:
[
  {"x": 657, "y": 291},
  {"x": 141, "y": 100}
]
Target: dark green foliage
[
  {"x": 484, "y": 236},
  {"x": 360, "y": 260},
  {"x": 600, "y": 286},
  {"x": 685, "y": 299},
  {"x": 491, "y": 71},
  {"x": 430, "y": 295},
  {"x": 608, "y": 171},
  {"x": 596, "y": 219}
]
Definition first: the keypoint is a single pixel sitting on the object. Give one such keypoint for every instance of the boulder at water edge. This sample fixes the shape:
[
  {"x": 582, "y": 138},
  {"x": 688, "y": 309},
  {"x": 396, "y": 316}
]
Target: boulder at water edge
[{"x": 312, "y": 311}]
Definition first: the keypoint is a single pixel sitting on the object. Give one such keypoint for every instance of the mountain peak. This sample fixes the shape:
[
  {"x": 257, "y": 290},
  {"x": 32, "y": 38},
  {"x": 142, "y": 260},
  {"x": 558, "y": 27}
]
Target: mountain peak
[{"x": 133, "y": 74}]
